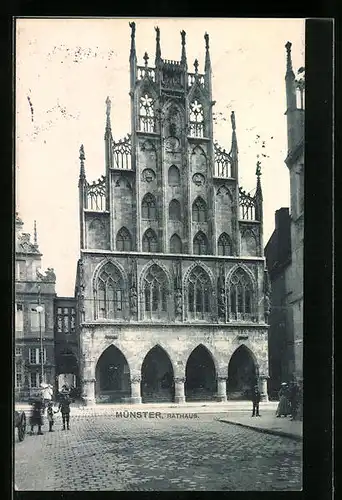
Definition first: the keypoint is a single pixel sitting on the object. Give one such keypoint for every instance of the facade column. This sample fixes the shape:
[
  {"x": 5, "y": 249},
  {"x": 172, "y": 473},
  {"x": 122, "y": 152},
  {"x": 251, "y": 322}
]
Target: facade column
[
  {"x": 221, "y": 389},
  {"x": 89, "y": 391},
  {"x": 179, "y": 390},
  {"x": 136, "y": 390},
  {"x": 263, "y": 388}
]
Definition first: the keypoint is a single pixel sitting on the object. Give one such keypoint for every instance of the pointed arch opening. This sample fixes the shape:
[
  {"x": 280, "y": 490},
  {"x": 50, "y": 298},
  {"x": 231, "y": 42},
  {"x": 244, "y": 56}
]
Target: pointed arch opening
[
  {"x": 112, "y": 377},
  {"x": 150, "y": 241},
  {"x": 124, "y": 240},
  {"x": 199, "y": 294},
  {"x": 109, "y": 292},
  {"x": 199, "y": 210},
  {"x": 241, "y": 296},
  {"x": 200, "y": 245},
  {"x": 249, "y": 245},
  {"x": 174, "y": 176},
  {"x": 200, "y": 373},
  {"x": 174, "y": 210},
  {"x": 146, "y": 114},
  {"x": 196, "y": 119},
  {"x": 224, "y": 245},
  {"x": 157, "y": 377},
  {"x": 242, "y": 374},
  {"x": 155, "y": 293},
  {"x": 149, "y": 207},
  {"x": 175, "y": 244}
]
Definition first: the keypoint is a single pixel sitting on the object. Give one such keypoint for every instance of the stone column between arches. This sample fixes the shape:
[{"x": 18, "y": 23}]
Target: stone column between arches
[
  {"x": 179, "y": 389},
  {"x": 263, "y": 387},
  {"x": 136, "y": 389}
]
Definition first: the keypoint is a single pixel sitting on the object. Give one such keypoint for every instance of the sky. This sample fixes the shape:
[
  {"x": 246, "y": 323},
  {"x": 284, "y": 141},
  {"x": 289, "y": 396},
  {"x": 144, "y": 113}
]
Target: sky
[{"x": 66, "y": 68}]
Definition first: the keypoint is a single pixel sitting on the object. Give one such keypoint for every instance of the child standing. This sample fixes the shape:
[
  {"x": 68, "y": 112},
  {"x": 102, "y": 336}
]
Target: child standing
[{"x": 50, "y": 413}]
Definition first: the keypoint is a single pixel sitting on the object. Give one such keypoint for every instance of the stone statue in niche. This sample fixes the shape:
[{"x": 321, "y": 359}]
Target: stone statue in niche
[
  {"x": 133, "y": 300},
  {"x": 198, "y": 179},
  {"x": 222, "y": 303},
  {"x": 178, "y": 300}
]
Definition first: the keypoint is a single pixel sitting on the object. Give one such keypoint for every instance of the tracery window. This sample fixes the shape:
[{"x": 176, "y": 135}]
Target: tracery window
[
  {"x": 199, "y": 291},
  {"x": 196, "y": 119},
  {"x": 199, "y": 210},
  {"x": 149, "y": 210},
  {"x": 124, "y": 240},
  {"x": 174, "y": 210},
  {"x": 155, "y": 292},
  {"x": 175, "y": 244},
  {"x": 240, "y": 296},
  {"x": 224, "y": 245},
  {"x": 149, "y": 241},
  {"x": 174, "y": 176},
  {"x": 109, "y": 292},
  {"x": 200, "y": 244},
  {"x": 146, "y": 114}
]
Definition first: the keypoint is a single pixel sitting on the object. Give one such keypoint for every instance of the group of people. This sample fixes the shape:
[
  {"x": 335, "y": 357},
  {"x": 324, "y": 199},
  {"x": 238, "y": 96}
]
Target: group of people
[
  {"x": 288, "y": 400},
  {"x": 43, "y": 401}
]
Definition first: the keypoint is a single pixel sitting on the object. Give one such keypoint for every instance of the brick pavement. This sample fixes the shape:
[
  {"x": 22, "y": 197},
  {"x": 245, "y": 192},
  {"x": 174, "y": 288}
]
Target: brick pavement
[{"x": 107, "y": 453}]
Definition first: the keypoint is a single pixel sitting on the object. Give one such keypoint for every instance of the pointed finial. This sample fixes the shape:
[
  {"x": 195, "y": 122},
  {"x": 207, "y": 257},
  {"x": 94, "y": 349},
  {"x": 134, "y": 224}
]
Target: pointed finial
[
  {"x": 183, "y": 57},
  {"x": 108, "y": 107},
  {"x": 35, "y": 233},
  {"x": 258, "y": 192},
  {"x": 146, "y": 58},
  {"x": 234, "y": 149},
  {"x": 258, "y": 169},
  {"x": 232, "y": 119},
  {"x": 82, "y": 158},
  {"x": 158, "y": 51},
  {"x": 288, "y": 57},
  {"x": 206, "y": 38},
  {"x": 132, "y": 54},
  {"x": 196, "y": 65}
]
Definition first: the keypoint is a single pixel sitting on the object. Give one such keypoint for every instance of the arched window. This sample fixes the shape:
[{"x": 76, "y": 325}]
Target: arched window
[
  {"x": 199, "y": 210},
  {"x": 224, "y": 245},
  {"x": 199, "y": 291},
  {"x": 200, "y": 244},
  {"x": 148, "y": 206},
  {"x": 146, "y": 114},
  {"x": 124, "y": 240},
  {"x": 109, "y": 292},
  {"x": 241, "y": 296},
  {"x": 175, "y": 244},
  {"x": 155, "y": 291},
  {"x": 174, "y": 210},
  {"x": 174, "y": 176},
  {"x": 196, "y": 119},
  {"x": 149, "y": 241}
]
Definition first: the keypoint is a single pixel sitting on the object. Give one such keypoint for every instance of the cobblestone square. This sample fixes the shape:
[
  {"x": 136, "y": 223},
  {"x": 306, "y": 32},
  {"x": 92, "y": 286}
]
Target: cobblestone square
[{"x": 132, "y": 454}]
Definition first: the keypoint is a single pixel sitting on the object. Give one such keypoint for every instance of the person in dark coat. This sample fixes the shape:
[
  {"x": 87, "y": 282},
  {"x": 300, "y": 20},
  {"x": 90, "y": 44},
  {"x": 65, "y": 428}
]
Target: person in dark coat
[
  {"x": 64, "y": 407},
  {"x": 36, "y": 418},
  {"x": 256, "y": 400}
]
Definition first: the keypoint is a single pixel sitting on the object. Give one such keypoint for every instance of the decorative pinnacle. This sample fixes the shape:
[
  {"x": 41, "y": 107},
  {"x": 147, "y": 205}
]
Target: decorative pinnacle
[
  {"x": 108, "y": 106},
  {"x": 35, "y": 233},
  {"x": 146, "y": 58},
  {"x": 288, "y": 57},
  {"x": 206, "y": 38},
  {"x": 158, "y": 51},
  {"x": 258, "y": 169},
  {"x": 82, "y": 158},
  {"x": 132, "y": 26},
  {"x": 196, "y": 65},
  {"x": 183, "y": 57},
  {"x": 232, "y": 119},
  {"x": 183, "y": 35}
]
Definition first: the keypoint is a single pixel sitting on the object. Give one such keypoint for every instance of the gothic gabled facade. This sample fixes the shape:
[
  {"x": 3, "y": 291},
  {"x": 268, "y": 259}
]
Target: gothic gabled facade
[{"x": 171, "y": 278}]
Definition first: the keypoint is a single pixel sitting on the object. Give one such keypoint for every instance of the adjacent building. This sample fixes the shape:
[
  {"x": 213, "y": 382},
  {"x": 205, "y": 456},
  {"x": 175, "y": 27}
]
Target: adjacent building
[
  {"x": 34, "y": 316},
  {"x": 171, "y": 286},
  {"x": 285, "y": 258}
]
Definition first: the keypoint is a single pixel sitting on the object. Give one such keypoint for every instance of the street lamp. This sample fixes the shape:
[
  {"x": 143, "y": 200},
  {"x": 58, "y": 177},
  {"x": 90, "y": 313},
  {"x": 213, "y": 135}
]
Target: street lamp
[{"x": 39, "y": 310}]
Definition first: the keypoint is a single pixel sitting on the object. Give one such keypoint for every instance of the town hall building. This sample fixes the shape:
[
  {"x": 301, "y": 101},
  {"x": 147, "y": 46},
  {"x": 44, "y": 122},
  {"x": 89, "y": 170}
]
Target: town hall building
[{"x": 171, "y": 286}]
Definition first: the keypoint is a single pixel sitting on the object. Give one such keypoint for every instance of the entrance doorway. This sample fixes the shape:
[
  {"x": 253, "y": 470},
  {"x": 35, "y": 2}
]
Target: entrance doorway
[
  {"x": 112, "y": 377},
  {"x": 157, "y": 377},
  {"x": 242, "y": 374},
  {"x": 200, "y": 383}
]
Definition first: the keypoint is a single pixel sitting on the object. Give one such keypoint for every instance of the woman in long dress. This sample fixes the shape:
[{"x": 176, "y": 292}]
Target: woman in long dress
[{"x": 284, "y": 405}]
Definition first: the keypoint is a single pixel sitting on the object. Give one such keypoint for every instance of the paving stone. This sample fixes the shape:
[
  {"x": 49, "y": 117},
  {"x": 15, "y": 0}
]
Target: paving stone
[{"x": 157, "y": 455}]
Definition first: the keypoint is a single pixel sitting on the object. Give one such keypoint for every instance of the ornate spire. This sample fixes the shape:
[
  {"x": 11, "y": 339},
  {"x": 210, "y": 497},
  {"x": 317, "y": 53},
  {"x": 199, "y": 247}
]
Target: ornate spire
[
  {"x": 82, "y": 158},
  {"x": 234, "y": 149},
  {"x": 35, "y": 240},
  {"x": 289, "y": 70},
  {"x": 258, "y": 192},
  {"x": 207, "y": 66},
  {"x": 158, "y": 51},
  {"x": 108, "y": 124},
  {"x": 132, "y": 54},
  {"x": 183, "y": 58}
]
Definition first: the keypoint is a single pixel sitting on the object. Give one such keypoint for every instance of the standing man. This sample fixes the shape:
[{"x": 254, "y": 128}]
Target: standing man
[
  {"x": 64, "y": 407},
  {"x": 256, "y": 400}
]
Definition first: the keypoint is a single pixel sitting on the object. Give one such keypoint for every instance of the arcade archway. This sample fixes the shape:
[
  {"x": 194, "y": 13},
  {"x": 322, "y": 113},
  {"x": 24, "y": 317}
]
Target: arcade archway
[
  {"x": 157, "y": 377},
  {"x": 112, "y": 377},
  {"x": 200, "y": 372},
  {"x": 242, "y": 374}
]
